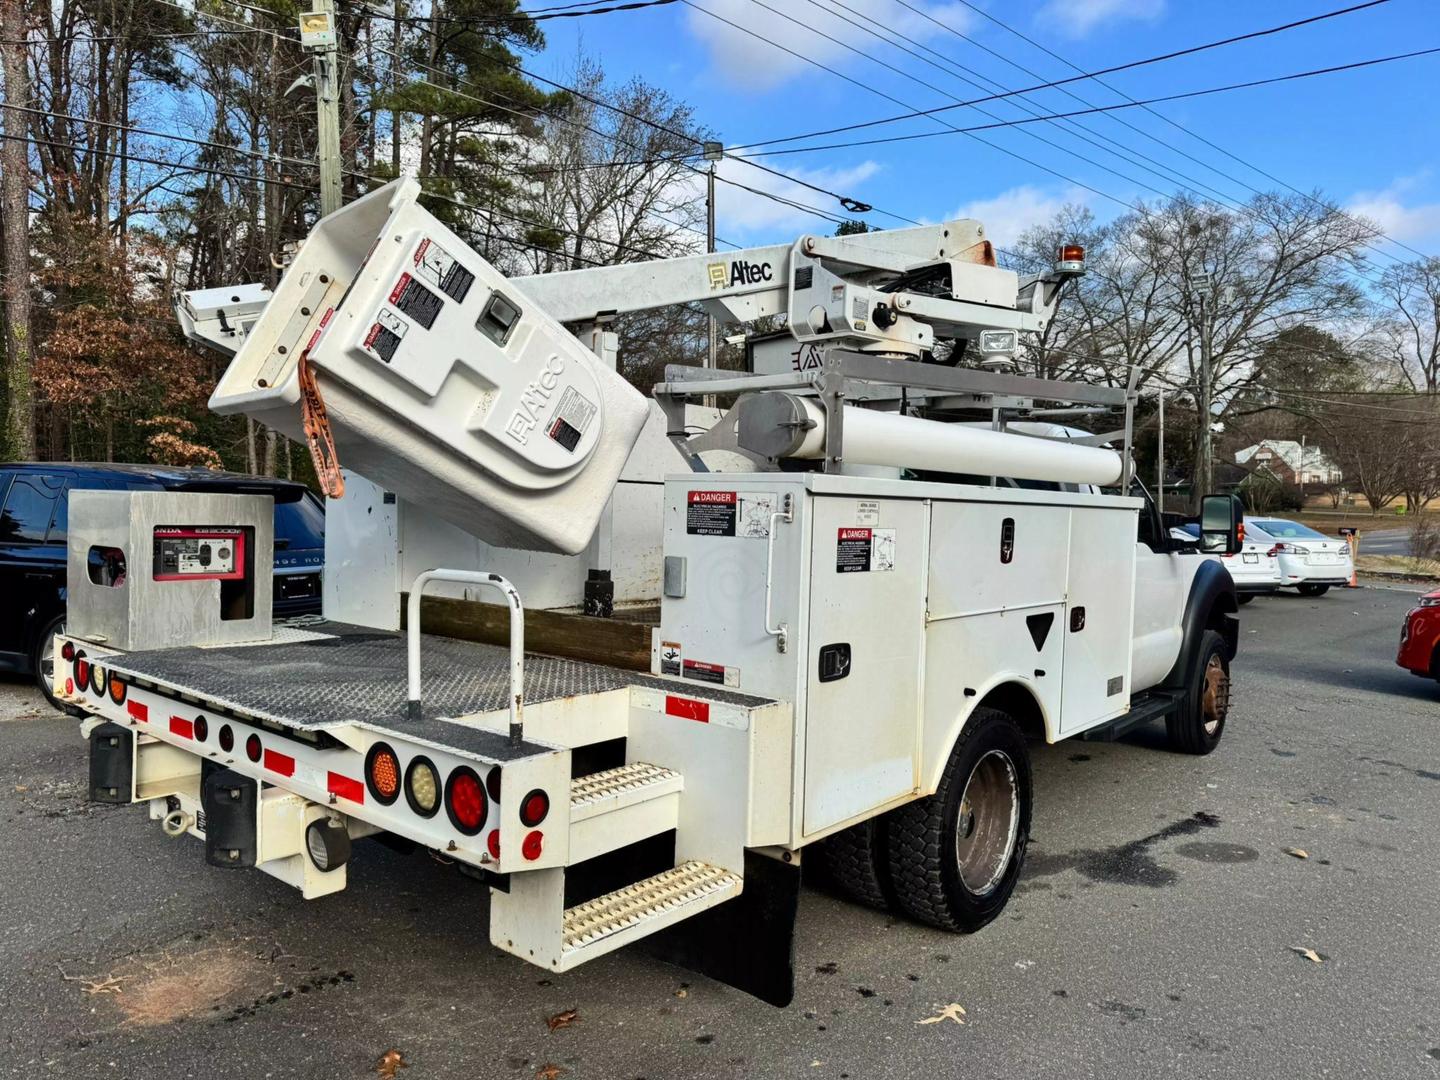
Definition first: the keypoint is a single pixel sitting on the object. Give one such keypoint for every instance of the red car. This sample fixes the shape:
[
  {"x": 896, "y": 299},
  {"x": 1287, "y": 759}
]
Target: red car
[{"x": 1420, "y": 637}]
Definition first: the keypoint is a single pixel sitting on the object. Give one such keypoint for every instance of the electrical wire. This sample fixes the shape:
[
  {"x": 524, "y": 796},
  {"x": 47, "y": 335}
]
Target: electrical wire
[
  {"x": 180, "y": 166},
  {"x": 1160, "y": 116}
]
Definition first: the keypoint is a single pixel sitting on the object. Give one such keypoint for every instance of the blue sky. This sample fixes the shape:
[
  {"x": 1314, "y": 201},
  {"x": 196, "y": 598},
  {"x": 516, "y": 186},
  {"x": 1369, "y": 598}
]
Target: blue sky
[{"x": 1368, "y": 138}]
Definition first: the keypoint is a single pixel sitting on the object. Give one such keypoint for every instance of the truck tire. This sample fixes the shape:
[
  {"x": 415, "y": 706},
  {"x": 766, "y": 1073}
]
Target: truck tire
[
  {"x": 1196, "y": 726},
  {"x": 1312, "y": 590},
  {"x": 1244, "y": 598},
  {"x": 856, "y": 862},
  {"x": 956, "y": 855},
  {"x": 42, "y": 664}
]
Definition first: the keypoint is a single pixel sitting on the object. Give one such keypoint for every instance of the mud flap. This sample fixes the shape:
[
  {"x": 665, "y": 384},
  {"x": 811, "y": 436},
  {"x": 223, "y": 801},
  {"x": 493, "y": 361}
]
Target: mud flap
[
  {"x": 748, "y": 942},
  {"x": 232, "y": 822},
  {"x": 112, "y": 764}
]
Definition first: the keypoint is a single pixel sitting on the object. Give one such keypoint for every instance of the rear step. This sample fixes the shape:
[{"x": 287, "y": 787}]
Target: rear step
[
  {"x": 617, "y": 807},
  {"x": 606, "y": 923}
]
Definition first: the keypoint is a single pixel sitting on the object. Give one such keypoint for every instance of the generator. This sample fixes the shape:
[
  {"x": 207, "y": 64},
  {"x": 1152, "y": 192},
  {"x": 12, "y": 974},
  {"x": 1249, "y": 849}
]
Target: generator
[{"x": 157, "y": 569}]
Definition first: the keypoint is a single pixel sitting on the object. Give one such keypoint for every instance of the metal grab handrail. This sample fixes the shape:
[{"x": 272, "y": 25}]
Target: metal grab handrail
[
  {"x": 517, "y": 640},
  {"x": 780, "y": 631}
]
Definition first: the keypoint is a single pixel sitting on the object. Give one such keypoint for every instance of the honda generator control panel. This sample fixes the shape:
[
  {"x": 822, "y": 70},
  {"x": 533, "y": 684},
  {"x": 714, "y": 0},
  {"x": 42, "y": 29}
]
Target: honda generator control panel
[{"x": 199, "y": 553}]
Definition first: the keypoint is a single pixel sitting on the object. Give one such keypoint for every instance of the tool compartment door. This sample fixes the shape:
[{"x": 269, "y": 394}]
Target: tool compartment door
[
  {"x": 1100, "y": 616},
  {"x": 864, "y": 656}
]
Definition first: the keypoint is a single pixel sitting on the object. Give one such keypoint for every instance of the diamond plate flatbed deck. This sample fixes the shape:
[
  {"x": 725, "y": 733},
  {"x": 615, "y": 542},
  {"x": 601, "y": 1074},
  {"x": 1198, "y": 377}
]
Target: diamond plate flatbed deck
[{"x": 338, "y": 674}]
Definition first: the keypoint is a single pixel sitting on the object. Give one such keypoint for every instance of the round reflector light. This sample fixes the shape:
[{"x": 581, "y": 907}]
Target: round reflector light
[
  {"x": 492, "y": 784},
  {"x": 534, "y": 808},
  {"x": 382, "y": 773},
  {"x": 117, "y": 690},
  {"x": 252, "y": 747},
  {"x": 492, "y": 842},
  {"x": 465, "y": 800},
  {"x": 82, "y": 670},
  {"x": 531, "y": 845},
  {"x": 227, "y": 738},
  {"x": 422, "y": 787},
  {"x": 67, "y": 651},
  {"x": 202, "y": 729}
]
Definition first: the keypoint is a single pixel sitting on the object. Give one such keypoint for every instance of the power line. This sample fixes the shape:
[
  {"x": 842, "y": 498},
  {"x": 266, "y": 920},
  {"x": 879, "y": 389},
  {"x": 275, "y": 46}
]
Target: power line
[
  {"x": 1293, "y": 76},
  {"x": 539, "y": 15},
  {"x": 1190, "y": 51},
  {"x": 1160, "y": 116},
  {"x": 180, "y": 166},
  {"x": 70, "y": 38}
]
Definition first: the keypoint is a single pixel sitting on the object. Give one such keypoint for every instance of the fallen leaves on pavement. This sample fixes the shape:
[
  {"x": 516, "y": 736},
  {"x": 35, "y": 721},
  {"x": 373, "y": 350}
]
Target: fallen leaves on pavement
[
  {"x": 562, "y": 1019},
  {"x": 1299, "y": 853},
  {"x": 1309, "y": 954},
  {"x": 953, "y": 1011},
  {"x": 548, "y": 1071},
  {"x": 389, "y": 1063}
]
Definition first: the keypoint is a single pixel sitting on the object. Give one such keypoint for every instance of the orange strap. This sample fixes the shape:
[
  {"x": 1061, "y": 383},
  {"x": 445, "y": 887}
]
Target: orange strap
[{"x": 317, "y": 433}]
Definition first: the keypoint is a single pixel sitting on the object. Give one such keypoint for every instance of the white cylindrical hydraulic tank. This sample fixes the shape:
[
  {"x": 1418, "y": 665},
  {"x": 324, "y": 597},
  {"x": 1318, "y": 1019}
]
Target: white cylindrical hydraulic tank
[{"x": 797, "y": 429}]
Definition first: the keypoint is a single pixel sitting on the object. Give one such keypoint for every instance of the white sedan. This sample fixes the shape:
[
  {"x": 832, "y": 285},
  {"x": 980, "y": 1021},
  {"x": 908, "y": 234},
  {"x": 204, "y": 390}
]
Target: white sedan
[
  {"x": 1255, "y": 570},
  {"x": 1309, "y": 561}
]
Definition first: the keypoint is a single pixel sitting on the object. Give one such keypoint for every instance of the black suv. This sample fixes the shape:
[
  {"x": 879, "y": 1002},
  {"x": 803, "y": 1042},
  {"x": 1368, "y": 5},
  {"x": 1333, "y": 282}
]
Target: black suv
[{"x": 33, "y": 515}]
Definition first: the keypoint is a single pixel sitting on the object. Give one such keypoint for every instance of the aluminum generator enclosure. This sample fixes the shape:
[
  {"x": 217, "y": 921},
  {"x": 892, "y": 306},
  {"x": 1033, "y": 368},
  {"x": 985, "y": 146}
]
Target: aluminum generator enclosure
[
  {"x": 439, "y": 378},
  {"x": 832, "y": 592},
  {"x": 155, "y": 569}
]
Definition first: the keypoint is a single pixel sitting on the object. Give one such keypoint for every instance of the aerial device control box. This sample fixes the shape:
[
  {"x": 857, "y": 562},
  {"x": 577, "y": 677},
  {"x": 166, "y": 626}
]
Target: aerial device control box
[
  {"x": 158, "y": 569},
  {"x": 439, "y": 378}
]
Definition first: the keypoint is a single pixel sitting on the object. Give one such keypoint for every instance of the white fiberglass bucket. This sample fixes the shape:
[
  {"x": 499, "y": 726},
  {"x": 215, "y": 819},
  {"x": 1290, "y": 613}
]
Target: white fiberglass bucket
[{"x": 441, "y": 381}]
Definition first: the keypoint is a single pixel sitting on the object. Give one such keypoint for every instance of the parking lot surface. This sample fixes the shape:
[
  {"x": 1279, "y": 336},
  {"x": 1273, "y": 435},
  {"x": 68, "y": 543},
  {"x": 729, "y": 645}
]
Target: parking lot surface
[{"x": 1165, "y": 925}]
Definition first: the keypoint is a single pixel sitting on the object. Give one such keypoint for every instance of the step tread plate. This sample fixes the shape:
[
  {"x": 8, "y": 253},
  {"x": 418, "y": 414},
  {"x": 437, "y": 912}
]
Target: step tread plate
[
  {"x": 649, "y": 904},
  {"x": 622, "y": 786}
]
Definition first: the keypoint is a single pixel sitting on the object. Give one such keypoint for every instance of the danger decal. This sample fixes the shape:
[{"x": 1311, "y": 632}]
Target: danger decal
[
  {"x": 386, "y": 334},
  {"x": 437, "y": 266},
  {"x": 729, "y": 513},
  {"x": 415, "y": 301},
  {"x": 718, "y": 674},
  {"x": 860, "y": 551}
]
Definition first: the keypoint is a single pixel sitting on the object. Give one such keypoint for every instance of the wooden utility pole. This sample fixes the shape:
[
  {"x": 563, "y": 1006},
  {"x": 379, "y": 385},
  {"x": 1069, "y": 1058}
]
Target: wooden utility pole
[{"x": 15, "y": 210}]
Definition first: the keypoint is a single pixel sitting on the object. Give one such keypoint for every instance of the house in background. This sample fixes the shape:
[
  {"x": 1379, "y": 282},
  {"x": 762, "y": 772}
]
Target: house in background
[{"x": 1289, "y": 462}]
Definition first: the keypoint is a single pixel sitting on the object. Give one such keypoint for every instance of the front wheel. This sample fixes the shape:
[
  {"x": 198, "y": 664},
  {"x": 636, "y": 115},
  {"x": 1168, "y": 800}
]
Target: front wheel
[
  {"x": 1197, "y": 724},
  {"x": 1312, "y": 590},
  {"x": 955, "y": 856},
  {"x": 1244, "y": 598}
]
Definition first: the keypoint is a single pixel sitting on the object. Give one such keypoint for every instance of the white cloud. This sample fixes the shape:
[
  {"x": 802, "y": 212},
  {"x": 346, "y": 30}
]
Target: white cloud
[
  {"x": 1007, "y": 215},
  {"x": 749, "y": 215},
  {"x": 1076, "y": 18},
  {"x": 1400, "y": 219},
  {"x": 750, "y": 63}
]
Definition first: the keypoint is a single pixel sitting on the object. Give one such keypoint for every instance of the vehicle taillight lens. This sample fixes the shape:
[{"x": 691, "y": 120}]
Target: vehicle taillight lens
[
  {"x": 534, "y": 808},
  {"x": 532, "y": 845},
  {"x": 465, "y": 801},
  {"x": 117, "y": 690},
  {"x": 1430, "y": 601},
  {"x": 1276, "y": 550},
  {"x": 1240, "y": 532},
  {"x": 422, "y": 787},
  {"x": 67, "y": 651},
  {"x": 382, "y": 773},
  {"x": 227, "y": 738},
  {"x": 492, "y": 785},
  {"x": 492, "y": 842},
  {"x": 252, "y": 748},
  {"x": 202, "y": 729},
  {"x": 97, "y": 679}
]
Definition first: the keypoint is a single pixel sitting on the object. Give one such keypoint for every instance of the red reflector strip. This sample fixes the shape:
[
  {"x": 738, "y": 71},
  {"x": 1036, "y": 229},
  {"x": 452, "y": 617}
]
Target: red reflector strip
[
  {"x": 283, "y": 764},
  {"x": 182, "y": 727},
  {"x": 687, "y": 708},
  {"x": 138, "y": 711},
  {"x": 345, "y": 787}
]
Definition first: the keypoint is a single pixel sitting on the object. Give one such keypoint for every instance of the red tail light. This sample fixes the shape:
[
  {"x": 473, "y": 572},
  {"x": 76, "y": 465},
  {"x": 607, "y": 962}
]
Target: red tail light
[
  {"x": 534, "y": 808},
  {"x": 202, "y": 729},
  {"x": 67, "y": 651},
  {"x": 252, "y": 748},
  {"x": 532, "y": 845},
  {"x": 1276, "y": 550},
  {"x": 227, "y": 738},
  {"x": 465, "y": 801},
  {"x": 493, "y": 843}
]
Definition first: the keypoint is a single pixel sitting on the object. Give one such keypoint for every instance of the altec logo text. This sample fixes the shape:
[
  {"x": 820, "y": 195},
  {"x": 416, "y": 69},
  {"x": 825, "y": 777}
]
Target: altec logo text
[
  {"x": 739, "y": 272},
  {"x": 534, "y": 399}
]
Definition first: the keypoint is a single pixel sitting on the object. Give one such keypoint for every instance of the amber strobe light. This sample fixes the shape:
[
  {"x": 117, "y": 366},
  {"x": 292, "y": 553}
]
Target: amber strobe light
[
  {"x": 422, "y": 787},
  {"x": 465, "y": 800},
  {"x": 382, "y": 773}
]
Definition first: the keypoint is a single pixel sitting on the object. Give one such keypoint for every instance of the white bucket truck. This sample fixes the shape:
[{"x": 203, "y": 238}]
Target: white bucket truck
[{"x": 858, "y": 636}]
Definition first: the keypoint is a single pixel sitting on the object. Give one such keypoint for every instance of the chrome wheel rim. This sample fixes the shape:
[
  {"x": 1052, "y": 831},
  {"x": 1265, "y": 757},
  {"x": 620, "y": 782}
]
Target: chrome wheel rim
[
  {"x": 988, "y": 823},
  {"x": 1214, "y": 695},
  {"x": 47, "y": 658}
]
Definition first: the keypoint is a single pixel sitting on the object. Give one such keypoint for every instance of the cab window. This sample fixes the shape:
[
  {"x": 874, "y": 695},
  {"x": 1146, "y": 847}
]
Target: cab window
[{"x": 29, "y": 507}]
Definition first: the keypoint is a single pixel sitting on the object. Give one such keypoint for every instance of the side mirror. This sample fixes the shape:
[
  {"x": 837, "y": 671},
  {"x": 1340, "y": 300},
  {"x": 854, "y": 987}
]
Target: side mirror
[{"x": 1222, "y": 525}]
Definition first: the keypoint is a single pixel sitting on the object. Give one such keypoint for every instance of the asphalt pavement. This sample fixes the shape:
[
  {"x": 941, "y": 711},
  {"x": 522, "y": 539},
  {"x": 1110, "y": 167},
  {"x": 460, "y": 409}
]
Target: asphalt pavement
[
  {"x": 1385, "y": 542},
  {"x": 1164, "y": 927}
]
